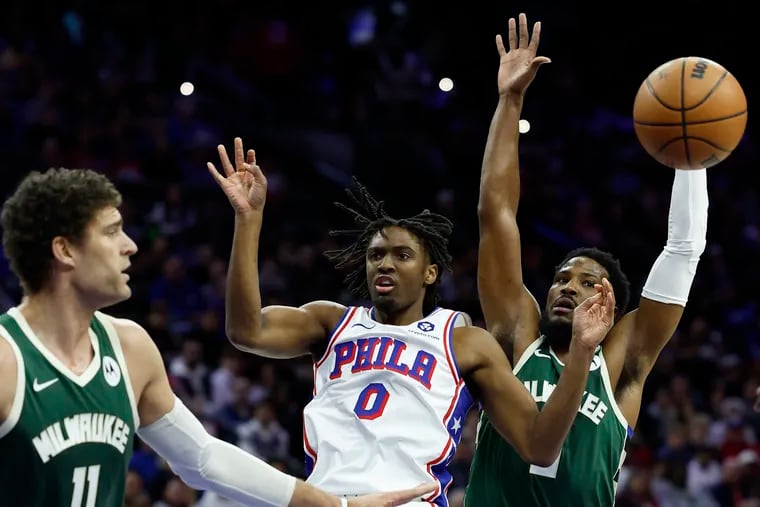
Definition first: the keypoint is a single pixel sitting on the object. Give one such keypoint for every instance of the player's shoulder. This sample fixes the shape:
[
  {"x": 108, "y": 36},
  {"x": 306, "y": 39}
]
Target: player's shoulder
[
  {"x": 132, "y": 336},
  {"x": 9, "y": 369},
  {"x": 7, "y": 357},
  {"x": 327, "y": 312}
]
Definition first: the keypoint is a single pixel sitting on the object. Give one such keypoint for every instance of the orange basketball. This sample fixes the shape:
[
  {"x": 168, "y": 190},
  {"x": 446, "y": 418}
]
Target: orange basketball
[{"x": 690, "y": 113}]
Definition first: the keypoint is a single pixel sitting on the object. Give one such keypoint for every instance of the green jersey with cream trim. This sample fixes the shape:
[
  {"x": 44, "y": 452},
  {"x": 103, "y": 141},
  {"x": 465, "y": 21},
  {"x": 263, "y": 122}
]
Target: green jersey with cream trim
[
  {"x": 584, "y": 474},
  {"x": 67, "y": 441}
]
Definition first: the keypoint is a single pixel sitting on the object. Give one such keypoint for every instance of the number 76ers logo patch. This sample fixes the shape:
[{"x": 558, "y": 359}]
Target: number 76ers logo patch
[{"x": 111, "y": 371}]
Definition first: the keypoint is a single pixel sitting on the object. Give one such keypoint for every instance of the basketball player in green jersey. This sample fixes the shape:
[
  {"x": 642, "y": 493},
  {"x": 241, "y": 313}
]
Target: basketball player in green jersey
[
  {"x": 77, "y": 384},
  {"x": 585, "y": 473}
]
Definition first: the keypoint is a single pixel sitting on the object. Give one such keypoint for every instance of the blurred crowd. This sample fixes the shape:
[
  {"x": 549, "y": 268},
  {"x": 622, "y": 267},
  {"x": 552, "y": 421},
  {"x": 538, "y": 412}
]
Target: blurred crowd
[{"x": 324, "y": 94}]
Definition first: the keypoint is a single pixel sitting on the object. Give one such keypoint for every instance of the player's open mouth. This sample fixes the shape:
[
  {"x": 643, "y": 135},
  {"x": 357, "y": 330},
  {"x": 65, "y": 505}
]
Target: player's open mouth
[
  {"x": 563, "y": 306},
  {"x": 384, "y": 284}
]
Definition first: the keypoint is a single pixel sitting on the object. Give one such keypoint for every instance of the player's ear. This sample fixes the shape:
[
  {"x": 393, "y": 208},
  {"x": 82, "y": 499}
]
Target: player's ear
[
  {"x": 431, "y": 274},
  {"x": 61, "y": 249}
]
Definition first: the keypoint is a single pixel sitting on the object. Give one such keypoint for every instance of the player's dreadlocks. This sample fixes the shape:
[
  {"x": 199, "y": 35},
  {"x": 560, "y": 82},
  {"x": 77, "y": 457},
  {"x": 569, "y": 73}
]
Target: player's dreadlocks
[{"x": 369, "y": 214}]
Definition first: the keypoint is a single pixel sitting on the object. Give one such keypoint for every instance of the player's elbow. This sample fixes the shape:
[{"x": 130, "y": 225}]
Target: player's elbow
[
  {"x": 539, "y": 455},
  {"x": 538, "y": 451},
  {"x": 242, "y": 340}
]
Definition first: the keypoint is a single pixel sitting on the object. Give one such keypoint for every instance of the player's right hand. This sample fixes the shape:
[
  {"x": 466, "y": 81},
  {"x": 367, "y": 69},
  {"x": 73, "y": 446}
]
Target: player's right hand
[
  {"x": 245, "y": 185},
  {"x": 595, "y": 316},
  {"x": 393, "y": 498},
  {"x": 518, "y": 66}
]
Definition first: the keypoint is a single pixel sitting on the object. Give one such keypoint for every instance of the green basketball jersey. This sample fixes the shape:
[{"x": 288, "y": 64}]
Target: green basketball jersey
[
  {"x": 584, "y": 474},
  {"x": 68, "y": 439}
]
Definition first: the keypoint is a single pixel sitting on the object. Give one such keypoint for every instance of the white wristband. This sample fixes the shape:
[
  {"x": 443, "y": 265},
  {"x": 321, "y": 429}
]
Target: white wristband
[{"x": 343, "y": 502}]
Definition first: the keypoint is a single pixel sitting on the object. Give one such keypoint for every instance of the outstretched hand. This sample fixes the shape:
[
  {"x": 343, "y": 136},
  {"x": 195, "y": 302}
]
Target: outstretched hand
[
  {"x": 245, "y": 185},
  {"x": 393, "y": 498},
  {"x": 593, "y": 318},
  {"x": 518, "y": 66}
]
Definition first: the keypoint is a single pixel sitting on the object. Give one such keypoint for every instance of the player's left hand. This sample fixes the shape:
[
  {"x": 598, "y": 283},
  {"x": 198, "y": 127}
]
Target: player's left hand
[
  {"x": 757, "y": 400},
  {"x": 519, "y": 65},
  {"x": 593, "y": 318},
  {"x": 393, "y": 498},
  {"x": 244, "y": 184}
]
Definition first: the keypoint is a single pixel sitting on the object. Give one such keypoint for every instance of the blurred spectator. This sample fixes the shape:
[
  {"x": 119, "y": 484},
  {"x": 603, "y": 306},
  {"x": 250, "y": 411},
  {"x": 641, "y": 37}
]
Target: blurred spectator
[{"x": 263, "y": 436}]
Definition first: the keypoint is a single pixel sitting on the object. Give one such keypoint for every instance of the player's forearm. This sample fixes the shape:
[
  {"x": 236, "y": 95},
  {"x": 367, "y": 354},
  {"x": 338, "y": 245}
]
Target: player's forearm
[
  {"x": 672, "y": 274},
  {"x": 207, "y": 463},
  {"x": 557, "y": 415},
  {"x": 306, "y": 495},
  {"x": 243, "y": 298},
  {"x": 500, "y": 174}
]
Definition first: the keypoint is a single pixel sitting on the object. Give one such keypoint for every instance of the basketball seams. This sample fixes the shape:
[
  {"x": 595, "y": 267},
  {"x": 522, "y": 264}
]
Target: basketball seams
[
  {"x": 690, "y": 113},
  {"x": 695, "y": 122}
]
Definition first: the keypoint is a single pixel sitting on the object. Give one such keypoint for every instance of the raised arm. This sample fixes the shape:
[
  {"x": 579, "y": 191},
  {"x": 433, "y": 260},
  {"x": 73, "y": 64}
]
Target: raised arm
[
  {"x": 500, "y": 283},
  {"x": 207, "y": 463},
  {"x": 647, "y": 330},
  {"x": 536, "y": 435},
  {"x": 275, "y": 331}
]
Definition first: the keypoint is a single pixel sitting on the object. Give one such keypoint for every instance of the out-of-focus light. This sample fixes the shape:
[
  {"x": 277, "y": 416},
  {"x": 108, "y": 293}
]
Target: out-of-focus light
[
  {"x": 446, "y": 84},
  {"x": 186, "y": 88},
  {"x": 524, "y": 126}
]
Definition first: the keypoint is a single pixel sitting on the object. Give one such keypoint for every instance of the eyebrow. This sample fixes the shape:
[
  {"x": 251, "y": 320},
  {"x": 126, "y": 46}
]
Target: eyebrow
[
  {"x": 396, "y": 248},
  {"x": 115, "y": 224},
  {"x": 582, "y": 273}
]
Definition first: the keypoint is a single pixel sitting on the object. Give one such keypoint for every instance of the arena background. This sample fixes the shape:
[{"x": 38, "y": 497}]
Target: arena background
[{"x": 327, "y": 90}]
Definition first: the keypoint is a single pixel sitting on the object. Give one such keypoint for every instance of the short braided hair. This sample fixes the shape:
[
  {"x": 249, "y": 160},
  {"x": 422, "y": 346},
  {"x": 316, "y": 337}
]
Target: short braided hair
[{"x": 433, "y": 229}]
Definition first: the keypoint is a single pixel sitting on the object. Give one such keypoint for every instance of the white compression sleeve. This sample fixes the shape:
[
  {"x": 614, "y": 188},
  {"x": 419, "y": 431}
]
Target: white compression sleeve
[
  {"x": 207, "y": 463},
  {"x": 673, "y": 272}
]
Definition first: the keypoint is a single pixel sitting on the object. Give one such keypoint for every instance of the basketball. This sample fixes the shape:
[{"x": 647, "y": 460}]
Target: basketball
[{"x": 690, "y": 113}]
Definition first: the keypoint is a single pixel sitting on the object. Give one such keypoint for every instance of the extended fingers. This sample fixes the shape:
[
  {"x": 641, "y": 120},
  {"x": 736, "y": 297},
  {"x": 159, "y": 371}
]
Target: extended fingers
[
  {"x": 239, "y": 154},
  {"x": 535, "y": 36},
  {"x": 214, "y": 173},
  {"x": 405, "y": 496},
  {"x": 523, "y": 21},
  {"x": 500, "y": 46},
  {"x": 225, "y": 160},
  {"x": 512, "y": 34},
  {"x": 609, "y": 289}
]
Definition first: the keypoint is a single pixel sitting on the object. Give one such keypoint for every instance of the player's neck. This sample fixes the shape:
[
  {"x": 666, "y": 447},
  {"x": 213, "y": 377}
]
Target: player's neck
[
  {"x": 61, "y": 324},
  {"x": 399, "y": 318},
  {"x": 561, "y": 350}
]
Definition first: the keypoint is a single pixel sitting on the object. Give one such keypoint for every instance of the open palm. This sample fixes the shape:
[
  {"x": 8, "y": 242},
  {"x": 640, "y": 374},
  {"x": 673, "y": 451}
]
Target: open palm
[
  {"x": 518, "y": 66},
  {"x": 593, "y": 318},
  {"x": 244, "y": 184}
]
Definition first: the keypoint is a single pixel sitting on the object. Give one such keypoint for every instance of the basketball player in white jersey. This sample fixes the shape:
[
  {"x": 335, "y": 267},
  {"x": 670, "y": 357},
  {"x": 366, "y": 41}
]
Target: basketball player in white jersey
[
  {"x": 76, "y": 384},
  {"x": 393, "y": 382}
]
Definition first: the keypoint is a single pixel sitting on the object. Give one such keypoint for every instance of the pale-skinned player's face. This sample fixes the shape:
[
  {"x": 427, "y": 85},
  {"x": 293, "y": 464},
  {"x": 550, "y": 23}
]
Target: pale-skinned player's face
[
  {"x": 100, "y": 260},
  {"x": 572, "y": 284},
  {"x": 398, "y": 269}
]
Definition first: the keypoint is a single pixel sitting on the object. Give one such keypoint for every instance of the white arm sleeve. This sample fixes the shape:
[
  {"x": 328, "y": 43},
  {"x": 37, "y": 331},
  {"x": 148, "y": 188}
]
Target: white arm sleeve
[
  {"x": 673, "y": 272},
  {"x": 207, "y": 463}
]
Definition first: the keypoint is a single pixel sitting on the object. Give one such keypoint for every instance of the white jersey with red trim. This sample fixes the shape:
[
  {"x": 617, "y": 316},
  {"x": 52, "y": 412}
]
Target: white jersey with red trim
[{"x": 388, "y": 408}]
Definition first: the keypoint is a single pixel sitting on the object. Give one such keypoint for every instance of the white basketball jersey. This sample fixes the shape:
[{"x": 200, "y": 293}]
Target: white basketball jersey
[{"x": 388, "y": 407}]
